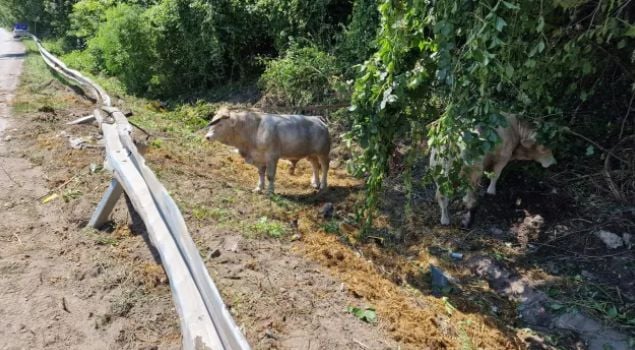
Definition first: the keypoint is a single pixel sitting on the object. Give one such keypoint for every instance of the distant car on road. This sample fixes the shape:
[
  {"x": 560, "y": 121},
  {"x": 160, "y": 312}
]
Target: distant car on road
[{"x": 20, "y": 30}]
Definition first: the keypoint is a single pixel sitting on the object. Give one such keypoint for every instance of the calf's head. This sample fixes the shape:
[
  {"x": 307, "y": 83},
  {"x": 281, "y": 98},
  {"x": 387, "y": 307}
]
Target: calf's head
[
  {"x": 529, "y": 149},
  {"x": 221, "y": 127}
]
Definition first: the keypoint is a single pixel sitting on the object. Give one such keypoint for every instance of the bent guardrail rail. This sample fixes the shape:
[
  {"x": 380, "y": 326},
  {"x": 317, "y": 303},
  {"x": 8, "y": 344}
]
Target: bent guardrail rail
[{"x": 205, "y": 321}]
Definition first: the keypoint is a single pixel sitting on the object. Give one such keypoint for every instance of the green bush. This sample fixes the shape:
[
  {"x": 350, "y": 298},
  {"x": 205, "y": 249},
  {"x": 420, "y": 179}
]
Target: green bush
[
  {"x": 81, "y": 60},
  {"x": 189, "y": 50},
  {"x": 86, "y": 17},
  {"x": 123, "y": 47},
  {"x": 303, "y": 76}
]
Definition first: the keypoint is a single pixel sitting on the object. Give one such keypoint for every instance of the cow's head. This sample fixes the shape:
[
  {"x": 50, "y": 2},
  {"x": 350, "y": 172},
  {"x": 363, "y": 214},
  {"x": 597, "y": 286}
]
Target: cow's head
[
  {"x": 530, "y": 149},
  {"x": 221, "y": 126}
]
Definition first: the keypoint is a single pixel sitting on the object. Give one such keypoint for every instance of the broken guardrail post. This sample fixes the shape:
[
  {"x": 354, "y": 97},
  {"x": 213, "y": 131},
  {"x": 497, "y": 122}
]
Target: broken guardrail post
[{"x": 106, "y": 205}]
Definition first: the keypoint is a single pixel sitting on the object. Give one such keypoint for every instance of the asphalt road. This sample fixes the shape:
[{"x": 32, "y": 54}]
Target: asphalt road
[{"x": 11, "y": 56}]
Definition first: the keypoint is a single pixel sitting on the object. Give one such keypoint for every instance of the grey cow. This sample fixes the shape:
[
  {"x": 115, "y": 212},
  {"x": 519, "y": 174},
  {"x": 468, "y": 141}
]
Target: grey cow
[{"x": 263, "y": 138}]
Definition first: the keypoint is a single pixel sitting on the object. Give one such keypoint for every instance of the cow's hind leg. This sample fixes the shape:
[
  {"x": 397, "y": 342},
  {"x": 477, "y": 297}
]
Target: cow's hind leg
[
  {"x": 498, "y": 168},
  {"x": 272, "y": 164},
  {"x": 443, "y": 204},
  {"x": 315, "y": 180},
  {"x": 324, "y": 164}
]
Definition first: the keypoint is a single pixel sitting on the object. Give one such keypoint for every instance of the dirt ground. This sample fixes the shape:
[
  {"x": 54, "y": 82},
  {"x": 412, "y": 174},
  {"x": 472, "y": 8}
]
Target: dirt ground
[
  {"x": 291, "y": 265},
  {"x": 63, "y": 286}
]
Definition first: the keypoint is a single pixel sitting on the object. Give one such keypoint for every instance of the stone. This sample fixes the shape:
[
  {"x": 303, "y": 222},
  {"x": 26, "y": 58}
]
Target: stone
[{"x": 610, "y": 239}]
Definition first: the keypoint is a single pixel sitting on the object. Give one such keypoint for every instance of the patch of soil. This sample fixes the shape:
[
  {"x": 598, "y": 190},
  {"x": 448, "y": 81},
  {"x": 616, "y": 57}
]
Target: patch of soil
[{"x": 63, "y": 286}]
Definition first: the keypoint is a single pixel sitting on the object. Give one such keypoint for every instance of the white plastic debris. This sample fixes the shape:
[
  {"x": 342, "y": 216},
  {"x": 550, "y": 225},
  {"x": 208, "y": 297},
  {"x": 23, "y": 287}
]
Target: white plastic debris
[{"x": 611, "y": 239}]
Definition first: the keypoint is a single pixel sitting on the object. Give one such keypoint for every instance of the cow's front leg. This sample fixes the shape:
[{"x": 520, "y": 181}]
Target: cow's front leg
[
  {"x": 272, "y": 164},
  {"x": 261, "y": 179}
]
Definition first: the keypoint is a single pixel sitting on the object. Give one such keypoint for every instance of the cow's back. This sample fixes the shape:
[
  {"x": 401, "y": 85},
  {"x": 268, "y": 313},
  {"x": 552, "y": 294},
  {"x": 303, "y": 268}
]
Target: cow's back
[{"x": 295, "y": 136}]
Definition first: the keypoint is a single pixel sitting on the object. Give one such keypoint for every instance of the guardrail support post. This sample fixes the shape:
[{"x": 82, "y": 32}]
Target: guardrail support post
[{"x": 107, "y": 203}]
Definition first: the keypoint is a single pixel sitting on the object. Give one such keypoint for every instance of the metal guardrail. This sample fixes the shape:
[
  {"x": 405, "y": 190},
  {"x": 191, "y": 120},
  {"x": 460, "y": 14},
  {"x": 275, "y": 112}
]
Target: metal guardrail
[{"x": 205, "y": 321}]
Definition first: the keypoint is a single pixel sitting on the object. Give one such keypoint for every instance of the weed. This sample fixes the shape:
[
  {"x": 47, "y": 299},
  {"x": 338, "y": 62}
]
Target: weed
[
  {"x": 271, "y": 228},
  {"x": 368, "y": 315},
  {"x": 218, "y": 214},
  {"x": 332, "y": 226},
  {"x": 449, "y": 308},
  {"x": 106, "y": 240},
  {"x": 71, "y": 194},
  {"x": 122, "y": 304},
  {"x": 158, "y": 143}
]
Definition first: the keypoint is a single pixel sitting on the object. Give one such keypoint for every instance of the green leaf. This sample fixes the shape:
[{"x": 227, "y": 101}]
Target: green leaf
[
  {"x": 541, "y": 24},
  {"x": 509, "y": 71},
  {"x": 556, "y": 306},
  {"x": 612, "y": 312},
  {"x": 510, "y": 6},
  {"x": 630, "y": 32},
  {"x": 367, "y": 315},
  {"x": 500, "y": 24},
  {"x": 541, "y": 46},
  {"x": 590, "y": 151}
]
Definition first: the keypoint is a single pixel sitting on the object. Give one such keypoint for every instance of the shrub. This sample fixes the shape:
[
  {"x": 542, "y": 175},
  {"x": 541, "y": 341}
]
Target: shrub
[
  {"x": 81, "y": 60},
  {"x": 123, "y": 47},
  {"x": 189, "y": 50},
  {"x": 301, "y": 77}
]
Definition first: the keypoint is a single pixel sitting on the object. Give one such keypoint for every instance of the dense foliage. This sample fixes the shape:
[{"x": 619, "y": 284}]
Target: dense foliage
[
  {"x": 422, "y": 69},
  {"x": 448, "y": 68}
]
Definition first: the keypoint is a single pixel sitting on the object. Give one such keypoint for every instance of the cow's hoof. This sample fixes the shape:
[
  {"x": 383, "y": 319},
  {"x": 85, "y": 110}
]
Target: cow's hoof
[
  {"x": 491, "y": 192},
  {"x": 315, "y": 185},
  {"x": 257, "y": 190},
  {"x": 445, "y": 222}
]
